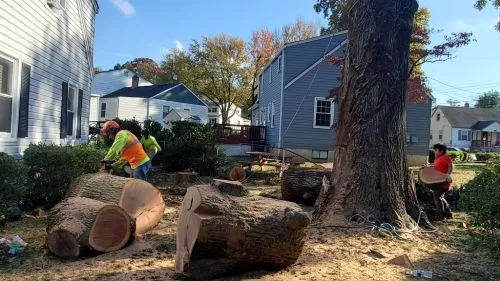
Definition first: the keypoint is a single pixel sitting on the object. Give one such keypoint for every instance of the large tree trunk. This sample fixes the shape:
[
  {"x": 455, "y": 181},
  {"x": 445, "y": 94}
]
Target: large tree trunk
[
  {"x": 78, "y": 224},
  {"x": 220, "y": 234},
  {"x": 371, "y": 176},
  {"x": 302, "y": 186},
  {"x": 139, "y": 198}
]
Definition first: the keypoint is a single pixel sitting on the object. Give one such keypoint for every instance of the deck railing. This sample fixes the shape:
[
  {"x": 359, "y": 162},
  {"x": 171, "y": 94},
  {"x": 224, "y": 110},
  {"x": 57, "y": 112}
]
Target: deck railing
[{"x": 239, "y": 134}]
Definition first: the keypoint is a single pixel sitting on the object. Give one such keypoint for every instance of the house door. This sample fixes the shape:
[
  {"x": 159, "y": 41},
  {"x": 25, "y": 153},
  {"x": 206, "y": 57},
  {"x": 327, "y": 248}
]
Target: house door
[{"x": 485, "y": 137}]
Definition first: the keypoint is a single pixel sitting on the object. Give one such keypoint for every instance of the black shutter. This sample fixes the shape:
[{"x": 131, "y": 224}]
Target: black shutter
[
  {"x": 64, "y": 110},
  {"x": 24, "y": 101},
  {"x": 79, "y": 123}
]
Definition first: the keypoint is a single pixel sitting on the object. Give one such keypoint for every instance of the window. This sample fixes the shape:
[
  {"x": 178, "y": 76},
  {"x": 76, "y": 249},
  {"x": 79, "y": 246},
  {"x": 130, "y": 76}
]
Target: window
[
  {"x": 270, "y": 73},
  {"x": 273, "y": 113},
  {"x": 212, "y": 120},
  {"x": 323, "y": 113},
  {"x": 212, "y": 109},
  {"x": 438, "y": 117},
  {"x": 6, "y": 94},
  {"x": 71, "y": 111},
  {"x": 279, "y": 64},
  {"x": 464, "y": 135},
  {"x": 440, "y": 135},
  {"x": 430, "y": 136},
  {"x": 103, "y": 110},
  {"x": 319, "y": 154},
  {"x": 269, "y": 112},
  {"x": 166, "y": 110}
]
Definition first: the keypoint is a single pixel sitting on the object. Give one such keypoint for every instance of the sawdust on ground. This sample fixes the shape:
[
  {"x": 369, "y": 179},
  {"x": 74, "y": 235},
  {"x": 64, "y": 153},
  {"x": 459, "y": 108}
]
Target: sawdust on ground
[{"x": 329, "y": 254}]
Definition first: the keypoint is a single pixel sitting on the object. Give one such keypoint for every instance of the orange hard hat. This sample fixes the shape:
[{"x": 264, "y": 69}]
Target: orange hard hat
[{"x": 109, "y": 125}]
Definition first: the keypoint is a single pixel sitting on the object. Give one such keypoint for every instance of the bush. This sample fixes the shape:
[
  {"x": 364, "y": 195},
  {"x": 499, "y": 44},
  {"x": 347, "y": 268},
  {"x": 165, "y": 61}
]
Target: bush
[
  {"x": 51, "y": 169},
  {"x": 131, "y": 125},
  {"x": 493, "y": 157},
  {"x": 192, "y": 145},
  {"x": 12, "y": 181},
  {"x": 481, "y": 197},
  {"x": 456, "y": 155}
]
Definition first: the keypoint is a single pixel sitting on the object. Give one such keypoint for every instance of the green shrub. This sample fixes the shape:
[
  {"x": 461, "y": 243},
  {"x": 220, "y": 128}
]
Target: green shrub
[
  {"x": 482, "y": 197},
  {"x": 192, "y": 145},
  {"x": 131, "y": 125},
  {"x": 456, "y": 155},
  {"x": 12, "y": 181},
  {"x": 51, "y": 169},
  {"x": 491, "y": 157}
]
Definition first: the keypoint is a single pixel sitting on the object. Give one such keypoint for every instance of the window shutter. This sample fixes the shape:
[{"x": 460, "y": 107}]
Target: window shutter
[
  {"x": 459, "y": 135},
  {"x": 64, "y": 110},
  {"x": 79, "y": 121},
  {"x": 24, "y": 101},
  {"x": 469, "y": 136}
]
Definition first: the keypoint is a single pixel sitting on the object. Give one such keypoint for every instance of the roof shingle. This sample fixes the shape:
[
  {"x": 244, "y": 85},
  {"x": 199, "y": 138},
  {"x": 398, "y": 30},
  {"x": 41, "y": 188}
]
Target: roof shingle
[{"x": 463, "y": 117}]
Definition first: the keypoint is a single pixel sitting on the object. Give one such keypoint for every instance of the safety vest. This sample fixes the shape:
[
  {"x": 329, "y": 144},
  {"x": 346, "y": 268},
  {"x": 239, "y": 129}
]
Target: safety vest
[{"x": 133, "y": 152}]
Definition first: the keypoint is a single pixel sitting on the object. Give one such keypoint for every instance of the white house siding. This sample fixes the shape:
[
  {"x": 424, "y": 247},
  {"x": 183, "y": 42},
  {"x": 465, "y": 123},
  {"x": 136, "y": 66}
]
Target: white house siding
[
  {"x": 234, "y": 113},
  {"x": 156, "y": 110},
  {"x": 441, "y": 126},
  {"x": 111, "y": 108},
  {"x": 95, "y": 107},
  {"x": 52, "y": 44},
  {"x": 133, "y": 108},
  {"x": 455, "y": 141}
]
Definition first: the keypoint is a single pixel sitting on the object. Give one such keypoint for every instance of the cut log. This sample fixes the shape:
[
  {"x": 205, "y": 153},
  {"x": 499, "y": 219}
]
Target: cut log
[
  {"x": 302, "y": 186},
  {"x": 140, "y": 199},
  {"x": 78, "y": 224},
  {"x": 235, "y": 173},
  {"x": 185, "y": 178},
  {"x": 234, "y": 188},
  {"x": 429, "y": 175},
  {"x": 219, "y": 234}
]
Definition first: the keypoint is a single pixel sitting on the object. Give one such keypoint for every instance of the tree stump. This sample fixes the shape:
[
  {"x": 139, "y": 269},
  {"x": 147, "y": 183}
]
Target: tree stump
[
  {"x": 140, "y": 199},
  {"x": 78, "y": 224},
  {"x": 185, "y": 178},
  {"x": 235, "y": 173},
  {"x": 220, "y": 234},
  {"x": 303, "y": 186}
]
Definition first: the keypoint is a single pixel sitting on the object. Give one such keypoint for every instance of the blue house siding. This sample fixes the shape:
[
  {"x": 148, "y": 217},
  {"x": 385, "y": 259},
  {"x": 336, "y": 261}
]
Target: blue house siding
[
  {"x": 301, "y": 134},
  {"x": 271, "y": 92},
  {"x": 418, "y": 127},
  {"x": 301, "y": 56}
]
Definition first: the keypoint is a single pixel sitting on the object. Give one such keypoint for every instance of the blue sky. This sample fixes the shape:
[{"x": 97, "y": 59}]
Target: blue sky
[{"x": 126, "y": 29}]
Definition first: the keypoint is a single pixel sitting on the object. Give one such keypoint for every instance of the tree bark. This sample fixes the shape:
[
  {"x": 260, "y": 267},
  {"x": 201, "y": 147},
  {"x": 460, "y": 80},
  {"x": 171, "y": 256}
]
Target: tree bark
[
  {"x": 78, "y": 224},
  {"x": 371, "y": 176},
  {"x": 220, "y": 234},
  {"x": 140, "y": 199},
  {"x": 302, "y": 186}
]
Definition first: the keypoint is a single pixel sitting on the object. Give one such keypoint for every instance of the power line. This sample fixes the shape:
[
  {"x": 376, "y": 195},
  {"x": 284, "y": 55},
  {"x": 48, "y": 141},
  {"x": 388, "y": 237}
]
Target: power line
[{"x": 451, "y": 86}]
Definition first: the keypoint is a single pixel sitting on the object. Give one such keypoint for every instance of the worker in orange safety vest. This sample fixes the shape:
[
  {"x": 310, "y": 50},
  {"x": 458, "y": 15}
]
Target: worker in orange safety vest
[{"x": 126, "y": 146}]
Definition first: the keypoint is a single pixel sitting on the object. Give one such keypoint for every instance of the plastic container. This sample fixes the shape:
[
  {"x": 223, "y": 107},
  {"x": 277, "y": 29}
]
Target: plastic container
[{"x": 421, "y": 273}]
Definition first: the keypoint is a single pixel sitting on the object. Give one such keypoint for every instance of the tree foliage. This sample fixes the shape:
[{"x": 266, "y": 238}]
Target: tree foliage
[
  {"x": 480, "y": 4},
  {"x": 297, "y": 31},
  {"x": 146, "y": 68},
  {"x": 489, "y": 99}
]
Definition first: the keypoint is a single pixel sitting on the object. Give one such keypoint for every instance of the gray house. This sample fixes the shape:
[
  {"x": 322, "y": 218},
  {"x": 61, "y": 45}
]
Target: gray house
[{"x": 291, "y": 101}]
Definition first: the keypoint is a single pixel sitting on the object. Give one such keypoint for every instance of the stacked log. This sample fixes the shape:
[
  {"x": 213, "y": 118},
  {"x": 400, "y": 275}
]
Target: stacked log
[
  {"x": 303, "y": 186},
  {"x": 222, "y": 230},
  {"x": 79, "y": 224},
  {"x": 140, "y": 199}
]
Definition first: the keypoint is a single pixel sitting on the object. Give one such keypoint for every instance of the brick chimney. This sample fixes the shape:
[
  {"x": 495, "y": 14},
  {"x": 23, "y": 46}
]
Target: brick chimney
[
  {"x": 135, "y": 81},
  {"x": 466, "y": 105}
]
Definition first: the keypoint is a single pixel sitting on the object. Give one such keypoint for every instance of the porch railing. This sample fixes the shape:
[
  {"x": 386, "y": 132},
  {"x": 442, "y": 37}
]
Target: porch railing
[{"x": 239, "y": 134}]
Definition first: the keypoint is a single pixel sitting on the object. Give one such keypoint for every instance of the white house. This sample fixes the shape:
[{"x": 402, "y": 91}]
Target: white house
[
  {"x": 179, "y": 115},
  {"x": 107, "y": 82},
  {"x": 465, "y": 127},
  {"x": 151, "y": 102},
  {"x": 235, "y": 115},
  {"x": 46, "y": 53}
]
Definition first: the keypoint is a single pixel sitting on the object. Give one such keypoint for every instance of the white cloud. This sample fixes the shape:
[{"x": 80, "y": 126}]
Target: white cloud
[
  {"x": 178, "y": 45},
  {"x": 165, "y": 50},
  {"x": 125, "y": 6},
  {"x": 462, "y": 25}
]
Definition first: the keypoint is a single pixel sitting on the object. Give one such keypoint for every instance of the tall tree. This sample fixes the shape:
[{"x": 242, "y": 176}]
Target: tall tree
[
  {"x": 222, "y": 71},
  {"x": 480, "y": 4},
  {"x": 297, "y": 31},
  {"x": 178, "y": 65},
  {"x": 146, "y": 68},
  {"x": 372, "y": 105},
  {"x": 97, "y": 69},
  {"x": 336, "y": 11},
  {"x": 262, "y": 46},
  {"x": 489, "y": 99}
]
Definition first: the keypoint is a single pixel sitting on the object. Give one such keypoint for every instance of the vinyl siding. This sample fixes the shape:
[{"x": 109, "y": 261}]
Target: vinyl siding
[
  {"x": 441, "y": 125},
  {"x": 299, "y": 99},
  {"x": 418, "y": 123},
  {"x": 271, "y": 92},
  {"x": 156, "y": 110},
  {"x": 111, "y": 108},
  {"x": 52, "y": 44},
  {"x": 133, "y": 108},
  {"x": 301, "y": 56},
  {"x": 95, "y": 107}
]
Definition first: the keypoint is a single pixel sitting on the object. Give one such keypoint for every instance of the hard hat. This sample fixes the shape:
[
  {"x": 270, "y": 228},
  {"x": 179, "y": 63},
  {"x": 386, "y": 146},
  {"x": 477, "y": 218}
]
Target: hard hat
[{"x": 109, "y": 125}]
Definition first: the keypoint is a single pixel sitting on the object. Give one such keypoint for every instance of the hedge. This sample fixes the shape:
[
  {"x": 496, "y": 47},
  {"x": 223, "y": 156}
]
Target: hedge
[{"x": 12, "y": 182}]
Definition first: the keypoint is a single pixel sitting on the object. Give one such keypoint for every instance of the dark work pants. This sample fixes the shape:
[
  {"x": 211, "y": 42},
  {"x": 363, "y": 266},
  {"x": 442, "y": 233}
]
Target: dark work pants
[{"x": 438, "y": 196}]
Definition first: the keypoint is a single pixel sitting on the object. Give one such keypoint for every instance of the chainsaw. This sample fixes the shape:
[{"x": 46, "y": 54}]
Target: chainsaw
[{"x": 118, "y": 168}]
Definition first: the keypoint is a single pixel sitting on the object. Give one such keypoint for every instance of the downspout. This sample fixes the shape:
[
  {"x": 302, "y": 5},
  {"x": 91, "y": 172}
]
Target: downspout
[{"x": 281, "y": 96}]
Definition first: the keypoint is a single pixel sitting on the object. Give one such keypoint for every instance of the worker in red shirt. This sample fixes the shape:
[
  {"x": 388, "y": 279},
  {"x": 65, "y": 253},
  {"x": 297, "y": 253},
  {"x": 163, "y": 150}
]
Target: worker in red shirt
[{"x": 443, "y": 164}]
